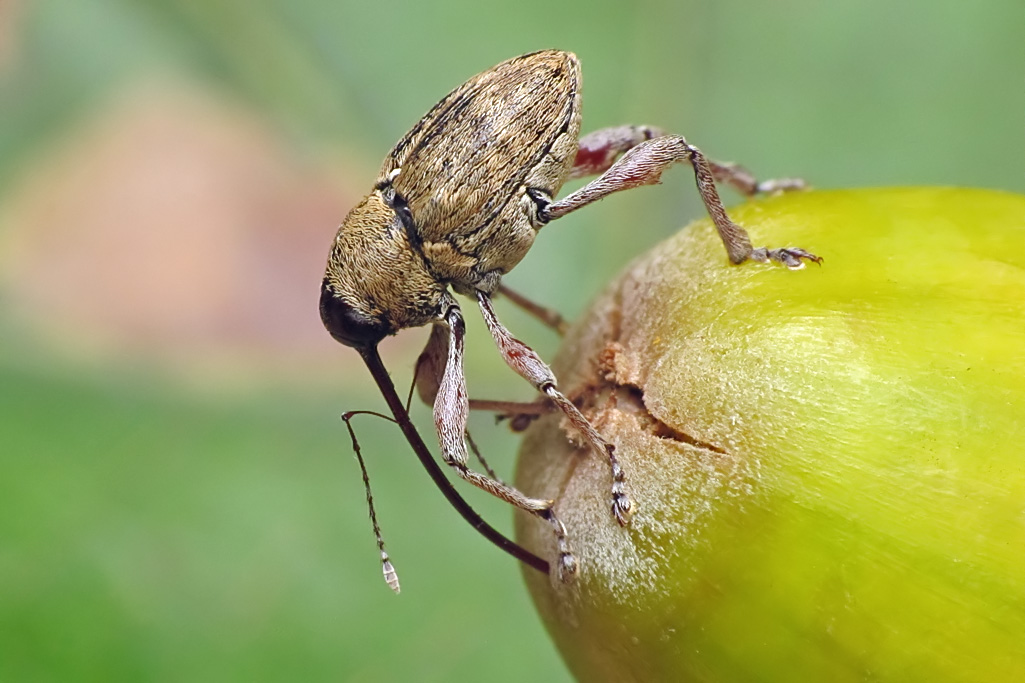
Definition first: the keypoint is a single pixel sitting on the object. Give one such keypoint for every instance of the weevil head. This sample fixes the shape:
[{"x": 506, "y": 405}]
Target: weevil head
[{"x": 376, "y": 281}]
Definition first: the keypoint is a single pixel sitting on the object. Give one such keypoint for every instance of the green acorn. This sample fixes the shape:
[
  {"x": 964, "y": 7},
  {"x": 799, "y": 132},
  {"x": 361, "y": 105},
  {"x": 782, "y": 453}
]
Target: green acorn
[{"x": 827, "y": 466}]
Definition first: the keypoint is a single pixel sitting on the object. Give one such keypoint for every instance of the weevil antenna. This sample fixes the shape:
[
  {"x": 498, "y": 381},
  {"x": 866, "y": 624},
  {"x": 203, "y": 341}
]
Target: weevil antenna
[
  {"x": 390, "y": 576},
  {"x": 372, "y": 357}
]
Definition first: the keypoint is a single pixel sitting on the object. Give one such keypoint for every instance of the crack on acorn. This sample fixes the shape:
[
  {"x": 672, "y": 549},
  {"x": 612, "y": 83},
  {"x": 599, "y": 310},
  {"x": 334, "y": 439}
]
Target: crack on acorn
[
  {"x": 633, "y": 396},
  {"x": 656, "y": 427},
  {"x": 600, "y": 398}
]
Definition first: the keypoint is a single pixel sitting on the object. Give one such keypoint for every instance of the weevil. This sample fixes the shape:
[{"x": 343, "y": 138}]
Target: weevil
[{"x": 456, "y": 205}]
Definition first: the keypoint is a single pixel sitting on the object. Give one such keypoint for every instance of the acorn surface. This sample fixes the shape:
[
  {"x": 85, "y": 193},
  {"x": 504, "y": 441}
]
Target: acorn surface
[{"x": 827, "y": 466}]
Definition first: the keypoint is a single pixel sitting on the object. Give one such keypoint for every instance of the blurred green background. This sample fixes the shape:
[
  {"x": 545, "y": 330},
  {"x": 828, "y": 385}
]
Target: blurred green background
[{"x": 178, "y": 499}]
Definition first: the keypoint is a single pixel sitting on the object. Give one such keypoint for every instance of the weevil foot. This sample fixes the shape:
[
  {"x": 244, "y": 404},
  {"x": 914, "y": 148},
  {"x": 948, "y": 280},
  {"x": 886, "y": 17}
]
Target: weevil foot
[
  {"x": 791, "y": 257},
  {"x": 567, "y": 567},
  {"x": 622, "y": 508},
  {"x": 623, "y": 511}
]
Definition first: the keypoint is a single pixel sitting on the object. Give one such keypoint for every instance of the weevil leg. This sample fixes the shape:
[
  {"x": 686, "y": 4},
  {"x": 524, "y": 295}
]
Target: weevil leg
[
  {"x": 544, "y": 314},
  {"x": 511, "y": 409},
  {"x": 529, "y": 365},
  {"x": 427, "y": 374},
  {"x": 745, "y": 182},
  {"x": 598, "y": 150},
  {"x": 451, "y": 410},
  {"x": 644, "y": 163},
  {"x": 430, "y": 365},
  {"x": 520, "y": 414}
]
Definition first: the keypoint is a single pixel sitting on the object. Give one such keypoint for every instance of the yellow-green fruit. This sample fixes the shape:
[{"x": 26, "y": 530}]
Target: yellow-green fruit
[{"x": 828, "y": 465}]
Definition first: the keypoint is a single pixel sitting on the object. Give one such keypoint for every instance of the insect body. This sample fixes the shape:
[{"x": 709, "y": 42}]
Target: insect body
[{"x": 457, "y": 204}]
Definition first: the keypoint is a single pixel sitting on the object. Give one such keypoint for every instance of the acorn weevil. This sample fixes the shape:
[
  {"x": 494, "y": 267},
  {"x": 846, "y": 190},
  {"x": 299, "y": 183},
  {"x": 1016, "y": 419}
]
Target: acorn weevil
[{"x": 457, "y": 204}]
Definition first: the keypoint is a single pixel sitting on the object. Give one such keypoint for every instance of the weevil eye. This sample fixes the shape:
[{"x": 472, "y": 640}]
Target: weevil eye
[{"x": 346, "y": 324}]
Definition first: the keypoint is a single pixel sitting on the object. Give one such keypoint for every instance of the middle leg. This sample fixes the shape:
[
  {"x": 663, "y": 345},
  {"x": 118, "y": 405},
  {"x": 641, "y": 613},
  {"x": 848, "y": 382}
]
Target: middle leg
[
  {"x": 549, "y": 317},
  {"x": 529, "y": 365}
]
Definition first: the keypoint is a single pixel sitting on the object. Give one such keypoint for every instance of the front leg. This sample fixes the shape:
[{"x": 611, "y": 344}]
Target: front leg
[
  {"x": 529, "y": 365},
  {"x": 644, "y": 164},
  {"x": 451, "y": 409},
  {"x": 427, "y": 374}
]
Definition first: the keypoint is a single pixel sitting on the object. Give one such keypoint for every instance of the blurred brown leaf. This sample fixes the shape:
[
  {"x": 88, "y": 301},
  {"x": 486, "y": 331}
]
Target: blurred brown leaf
[{"x": 179, "y": 225}]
